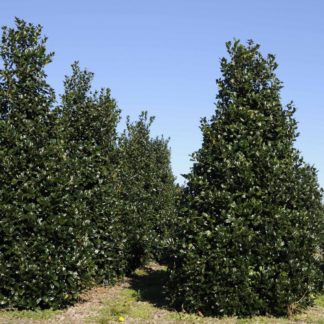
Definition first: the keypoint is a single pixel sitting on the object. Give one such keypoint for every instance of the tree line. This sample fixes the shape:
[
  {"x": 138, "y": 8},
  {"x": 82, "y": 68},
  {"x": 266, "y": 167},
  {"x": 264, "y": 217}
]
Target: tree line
[{"x": 81, "y": 204}]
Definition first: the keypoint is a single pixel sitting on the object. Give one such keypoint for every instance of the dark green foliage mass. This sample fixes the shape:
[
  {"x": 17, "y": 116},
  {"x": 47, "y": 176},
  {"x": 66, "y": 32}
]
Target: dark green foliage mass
[
  {"x": 41, "y": 259},
  {"x": 147, "y": 191},
  {"x": 88, "y": 128},
  {"x": 76, "y": 201},
  {"x": 251, "y": 215},
  {"x": 80, "y": 204}
]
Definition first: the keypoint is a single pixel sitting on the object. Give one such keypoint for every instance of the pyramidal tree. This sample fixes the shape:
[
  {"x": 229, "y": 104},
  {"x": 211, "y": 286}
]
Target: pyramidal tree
[
  {"x": 42, "y": 248},
  {"x": 88, "y": 127},
  {"x": 251, "y": 216},
  {"x": 146, "y": 191}
]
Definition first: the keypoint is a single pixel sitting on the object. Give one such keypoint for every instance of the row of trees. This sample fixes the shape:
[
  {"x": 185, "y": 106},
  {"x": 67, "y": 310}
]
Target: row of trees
[
  {"x": 82, "y": 204},
  {"x": 79, "y": 203}
]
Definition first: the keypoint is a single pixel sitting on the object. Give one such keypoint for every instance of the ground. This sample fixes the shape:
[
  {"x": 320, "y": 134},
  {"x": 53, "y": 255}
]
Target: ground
[{"x": 139, "y": 299}]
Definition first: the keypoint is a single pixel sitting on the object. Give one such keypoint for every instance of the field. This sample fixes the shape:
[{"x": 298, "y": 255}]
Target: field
[{"x": 139, "y": 299}]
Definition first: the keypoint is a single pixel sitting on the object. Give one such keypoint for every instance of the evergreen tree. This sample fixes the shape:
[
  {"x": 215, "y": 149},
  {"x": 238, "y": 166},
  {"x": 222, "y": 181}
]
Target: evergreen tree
[
  {"x": 88, "y": 128},
  {"x": 251, "y": 211},
  {"x": 71, "y": 211},
  {"x": 147, "y": 187},
  {"x": 163, "y": 199},
  {"x": 39, "y": 265}
]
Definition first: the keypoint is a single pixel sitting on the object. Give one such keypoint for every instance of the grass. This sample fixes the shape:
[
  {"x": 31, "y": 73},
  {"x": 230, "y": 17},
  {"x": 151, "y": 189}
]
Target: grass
[
  {"x": 143, "y": 302},
  {"x": 140, "y": 300},
  {"x": 132, "y": 302},
  {"x": 38, "y": 315},
  {"x": 319, "y": 301},
  {"x": 127, "y": 304}
]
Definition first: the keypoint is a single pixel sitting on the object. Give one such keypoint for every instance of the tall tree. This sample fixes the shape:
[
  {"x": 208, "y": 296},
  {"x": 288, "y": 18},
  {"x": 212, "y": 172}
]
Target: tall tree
[
  {"x": 251, "y": 213},
  {"x": 40, "y": 265},
  {"x": 147, "y": 191},
  {"x": 88, "y": 128}
]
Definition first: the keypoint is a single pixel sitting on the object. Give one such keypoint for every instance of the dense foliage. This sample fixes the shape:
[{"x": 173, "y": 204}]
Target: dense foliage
[
  {"x": 251, "y": 214},
  {"x": 82, "y": 204},
  {"x": 88, "y": 129},
  {"x": 64, "y": 219},
  {"x": 147, "y": 191},
  {"x": 41, "y": 259}
]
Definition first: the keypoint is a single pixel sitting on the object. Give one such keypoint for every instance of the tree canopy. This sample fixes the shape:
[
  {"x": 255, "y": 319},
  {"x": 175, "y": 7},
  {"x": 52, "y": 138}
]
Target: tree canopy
[{"x": 251, "y": 211}]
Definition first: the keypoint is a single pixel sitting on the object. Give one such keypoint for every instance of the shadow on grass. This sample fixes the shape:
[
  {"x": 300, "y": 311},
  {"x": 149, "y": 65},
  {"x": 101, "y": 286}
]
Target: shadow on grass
[{"x": 149, "y": 282}]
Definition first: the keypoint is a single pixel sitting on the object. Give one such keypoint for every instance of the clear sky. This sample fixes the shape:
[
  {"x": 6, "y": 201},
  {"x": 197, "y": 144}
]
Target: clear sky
[{"x": 163, "y": 56}]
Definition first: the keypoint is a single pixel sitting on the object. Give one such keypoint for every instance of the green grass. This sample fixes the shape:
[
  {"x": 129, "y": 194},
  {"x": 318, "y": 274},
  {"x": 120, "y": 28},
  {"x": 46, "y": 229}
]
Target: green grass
[
  {"x": 130, "y": 303},
  {"x": 319, "y": 301},
  {"x": 125, "y": 305},
  {"x": 142, "y": 301},
  {"x": 38, "y": 315}
]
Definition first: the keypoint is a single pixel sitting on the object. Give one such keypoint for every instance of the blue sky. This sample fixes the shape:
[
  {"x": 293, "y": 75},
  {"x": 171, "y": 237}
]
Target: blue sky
[{"x": 163, "y": 56}]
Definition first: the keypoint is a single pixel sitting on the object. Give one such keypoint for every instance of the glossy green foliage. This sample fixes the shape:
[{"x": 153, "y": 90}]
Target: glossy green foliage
[
  {"x": 147, "y": 192},
  {"x": 41, "y": 258},
  {"x": 76, "y": 201},
  {"x": 88, "y": 129},
  {"x": 251, "y": 215}
]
